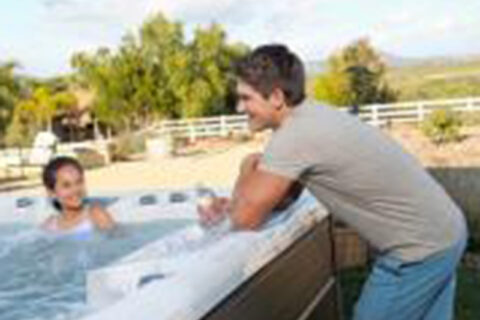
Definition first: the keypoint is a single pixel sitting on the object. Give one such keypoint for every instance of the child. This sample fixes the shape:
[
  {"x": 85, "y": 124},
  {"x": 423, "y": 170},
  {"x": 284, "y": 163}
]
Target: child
[{"x": 63, "y": 177}]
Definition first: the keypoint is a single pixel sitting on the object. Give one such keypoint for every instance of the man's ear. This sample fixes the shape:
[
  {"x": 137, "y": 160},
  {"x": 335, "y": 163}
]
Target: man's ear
[{"x": 277, "y": 98}]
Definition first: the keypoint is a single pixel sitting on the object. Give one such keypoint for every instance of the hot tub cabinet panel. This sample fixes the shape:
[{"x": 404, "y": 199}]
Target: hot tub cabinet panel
[
  {"x": 298, "y": 284},
  {"x": 283, "y": 272}
]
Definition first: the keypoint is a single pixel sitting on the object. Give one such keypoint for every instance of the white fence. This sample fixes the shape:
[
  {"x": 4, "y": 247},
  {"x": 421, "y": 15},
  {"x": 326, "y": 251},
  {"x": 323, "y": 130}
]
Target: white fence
[
  {"x": 220, "y": 126},
  {"x": 377, "y": 115},
  {"x": 381, "y": 114},
  {"x": 14, "y": 160}
]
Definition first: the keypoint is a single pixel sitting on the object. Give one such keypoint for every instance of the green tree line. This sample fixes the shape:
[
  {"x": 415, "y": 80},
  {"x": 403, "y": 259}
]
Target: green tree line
[
  {"x": 158, "y": 74},
  {"x": 154, "y": 73},
  {"x": 355, "y": 76}
]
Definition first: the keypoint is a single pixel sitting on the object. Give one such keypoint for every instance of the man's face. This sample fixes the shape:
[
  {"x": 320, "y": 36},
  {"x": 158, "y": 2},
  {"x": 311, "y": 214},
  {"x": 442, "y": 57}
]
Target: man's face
[{"x": 260, "y": 111}]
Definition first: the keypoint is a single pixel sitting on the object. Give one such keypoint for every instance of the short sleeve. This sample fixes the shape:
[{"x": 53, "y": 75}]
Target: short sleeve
[{"x": 286, "y": 155}]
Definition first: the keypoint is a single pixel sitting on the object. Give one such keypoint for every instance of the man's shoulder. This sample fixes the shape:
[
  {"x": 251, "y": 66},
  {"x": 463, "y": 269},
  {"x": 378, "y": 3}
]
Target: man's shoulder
[
  {"x": 314, "y": 111},
  {"x": 310, "y": 118},
  {"x": 304, "y": 121}
]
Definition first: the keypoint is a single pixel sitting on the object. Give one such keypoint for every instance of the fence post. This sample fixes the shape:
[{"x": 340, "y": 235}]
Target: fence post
[
  {"x": 375, "y": 115},
  {"x": 421, "y": 112},
  {"x": 192, "y": 133},
  {"x": 470, "y": 106},
  {"x": 245, "y": 126},
  {"x": 223, "y": 126}
]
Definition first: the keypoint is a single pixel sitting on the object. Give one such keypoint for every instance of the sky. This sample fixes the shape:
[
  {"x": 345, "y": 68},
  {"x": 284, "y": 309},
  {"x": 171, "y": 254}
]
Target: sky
[{"x": 42, "y": 35}]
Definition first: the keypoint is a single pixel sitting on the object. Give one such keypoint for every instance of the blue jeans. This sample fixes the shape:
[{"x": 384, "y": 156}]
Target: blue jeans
[{"x": 422, "y": 290}]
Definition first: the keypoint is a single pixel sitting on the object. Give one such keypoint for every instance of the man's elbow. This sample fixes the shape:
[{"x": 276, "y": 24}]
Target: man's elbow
[
  {"x": 245, "y": 223},
  {"x": 247, "y": 218}
]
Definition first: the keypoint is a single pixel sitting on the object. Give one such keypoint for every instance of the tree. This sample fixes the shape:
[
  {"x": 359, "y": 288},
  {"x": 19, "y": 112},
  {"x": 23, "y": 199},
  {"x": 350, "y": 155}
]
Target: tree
[
  {"x": 355, "y": 76},
  {"x": 210, "y": 77},
  {"x": 43, "y": 106},
  {"x": 21, "y": 130},
  {"x": 9, "y": 92},
  {"x": 333, "y": 87},
  {"x": 35, "y": 113},
  {"x": 157, "y": 74},
  {"x": 137, "y": 83},
  {"x": 166, "y": 66},
  {"x": 96, "y": 73}
]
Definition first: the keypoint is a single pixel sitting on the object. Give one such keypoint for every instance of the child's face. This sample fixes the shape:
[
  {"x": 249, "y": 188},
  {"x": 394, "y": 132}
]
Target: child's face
[{"x": 69, "y": 187}]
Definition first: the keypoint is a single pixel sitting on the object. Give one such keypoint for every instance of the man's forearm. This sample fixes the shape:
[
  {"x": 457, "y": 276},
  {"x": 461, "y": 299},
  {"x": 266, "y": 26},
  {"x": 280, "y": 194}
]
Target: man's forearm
[
  {"x": 241, "y": 218},
  {"x": 249, "y": 205},
  {"x": 255, "y": 194},
  {"x": 239, "y": 184}
]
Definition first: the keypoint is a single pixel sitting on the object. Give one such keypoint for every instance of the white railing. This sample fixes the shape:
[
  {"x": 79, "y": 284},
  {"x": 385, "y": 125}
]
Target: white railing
[
  {"x": 20, "y": 157},
  {"x": 220, "y": 126},
  {"x": 14, "y": 156},
  {"x": 377, "y": 115},
  {"x": 416, "y": 111}
]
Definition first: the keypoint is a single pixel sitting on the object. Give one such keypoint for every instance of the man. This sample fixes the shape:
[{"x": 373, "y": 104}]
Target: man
[{"x": 361, "y": 176}]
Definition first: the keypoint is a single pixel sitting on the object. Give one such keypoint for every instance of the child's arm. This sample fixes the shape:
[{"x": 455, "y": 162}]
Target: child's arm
[{"x": 101, "y": 218}]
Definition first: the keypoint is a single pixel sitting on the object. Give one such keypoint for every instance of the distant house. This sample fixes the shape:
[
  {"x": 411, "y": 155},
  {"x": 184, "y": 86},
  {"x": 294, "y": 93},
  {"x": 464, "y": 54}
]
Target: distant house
[{"x": 79, "y": 123}]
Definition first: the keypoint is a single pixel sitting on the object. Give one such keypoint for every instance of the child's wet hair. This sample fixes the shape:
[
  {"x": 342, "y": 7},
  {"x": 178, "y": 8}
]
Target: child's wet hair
[{"x": 50, "y": 171}]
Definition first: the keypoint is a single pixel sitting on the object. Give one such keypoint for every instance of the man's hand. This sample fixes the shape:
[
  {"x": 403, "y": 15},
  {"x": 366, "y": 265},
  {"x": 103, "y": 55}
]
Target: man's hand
[
  {"x": 213, "y": 210},
  {"x": 255, "y": 195}
]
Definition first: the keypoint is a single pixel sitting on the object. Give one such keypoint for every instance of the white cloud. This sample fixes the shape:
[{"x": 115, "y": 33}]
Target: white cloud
[
  {"x": 250, "y": 21},
  {"x": 313, "y": 28}
]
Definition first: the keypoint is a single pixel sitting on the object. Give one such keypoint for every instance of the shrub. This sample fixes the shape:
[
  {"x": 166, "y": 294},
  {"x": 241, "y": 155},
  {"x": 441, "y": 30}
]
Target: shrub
[
  {"x": 126, "y": 145},
  {"x": 442, "y": 126},
  {"x": 470, "y": 119},
  {"x": 89, "y": 158}
]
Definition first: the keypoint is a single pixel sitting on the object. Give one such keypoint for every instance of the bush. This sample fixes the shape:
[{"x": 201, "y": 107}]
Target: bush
[
  {"x": 442, "y": 126},
  {"x": 89, "y": 159},
  {"x": 241, "y": 136},
  {"x": 19, "y": 134},
  {"x": 470, "y": 119},
  {"x": 127, "y": 145},
  {"x": 178, "y": 143}
]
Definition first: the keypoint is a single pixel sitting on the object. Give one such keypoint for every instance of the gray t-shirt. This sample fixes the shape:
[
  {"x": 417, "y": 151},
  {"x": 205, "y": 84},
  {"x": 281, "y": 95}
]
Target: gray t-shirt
[{"x": 365, "y": 179}]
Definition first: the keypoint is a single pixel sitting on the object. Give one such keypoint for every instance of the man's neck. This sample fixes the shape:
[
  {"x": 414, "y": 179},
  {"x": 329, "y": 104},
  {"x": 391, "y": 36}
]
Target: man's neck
[{"x": 282, "y": 116}]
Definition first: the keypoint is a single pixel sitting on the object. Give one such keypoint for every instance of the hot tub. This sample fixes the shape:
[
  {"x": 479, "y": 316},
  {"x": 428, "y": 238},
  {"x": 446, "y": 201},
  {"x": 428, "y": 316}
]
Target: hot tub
[{"x": 284, "y": 271}]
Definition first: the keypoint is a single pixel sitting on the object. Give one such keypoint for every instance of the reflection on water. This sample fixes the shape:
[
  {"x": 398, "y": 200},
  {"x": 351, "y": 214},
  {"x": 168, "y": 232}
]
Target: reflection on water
[{"x": 43, "y": 277}]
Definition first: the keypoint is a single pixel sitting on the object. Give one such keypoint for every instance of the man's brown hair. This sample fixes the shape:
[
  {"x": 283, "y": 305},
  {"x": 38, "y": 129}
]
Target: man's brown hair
[{"x": 274, "y": 66}]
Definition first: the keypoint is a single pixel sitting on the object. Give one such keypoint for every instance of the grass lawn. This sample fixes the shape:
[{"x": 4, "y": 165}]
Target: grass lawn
[{"x": 468, "y": 292}]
